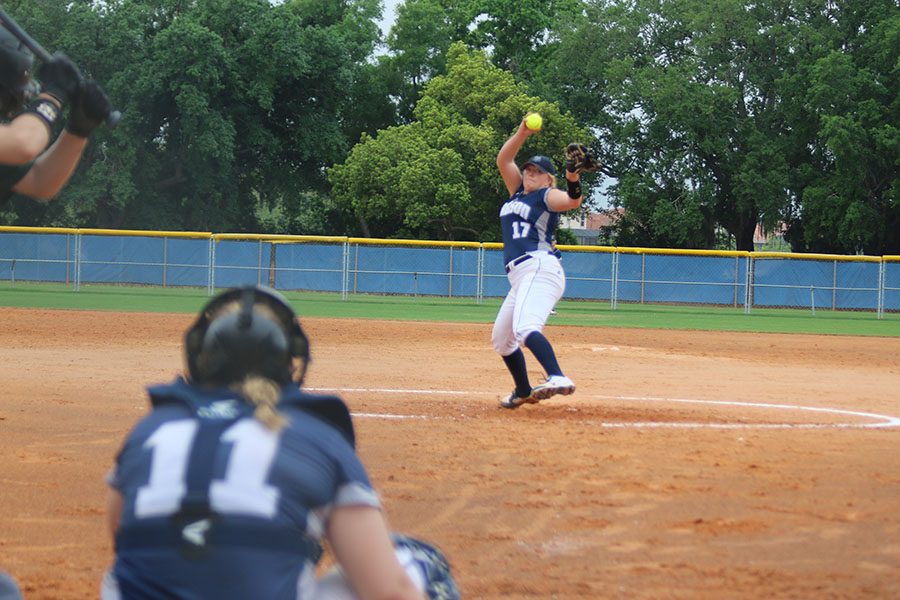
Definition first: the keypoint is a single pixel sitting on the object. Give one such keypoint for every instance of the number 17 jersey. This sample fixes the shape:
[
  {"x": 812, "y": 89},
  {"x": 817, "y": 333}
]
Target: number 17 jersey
[{"x": 527, "y": 223}]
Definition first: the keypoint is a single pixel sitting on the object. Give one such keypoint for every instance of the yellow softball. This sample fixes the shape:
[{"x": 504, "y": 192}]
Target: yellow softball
[{"x": 534, "y": 122}]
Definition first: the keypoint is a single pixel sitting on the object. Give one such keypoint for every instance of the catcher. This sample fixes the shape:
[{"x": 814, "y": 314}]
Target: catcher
[
  {"x": 30, "y": 115},
  {"x": 226, "y": 488},
  {"x": 529, "y": 219}
]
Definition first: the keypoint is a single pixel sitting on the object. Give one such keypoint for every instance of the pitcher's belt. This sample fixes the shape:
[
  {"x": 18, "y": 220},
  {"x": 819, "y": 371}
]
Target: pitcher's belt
[{"x": 517, "y": 262}]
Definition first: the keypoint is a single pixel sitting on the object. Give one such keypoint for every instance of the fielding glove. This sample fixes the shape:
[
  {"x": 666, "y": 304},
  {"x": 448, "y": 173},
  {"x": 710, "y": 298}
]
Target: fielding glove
[{"x": 579, "y": 159}]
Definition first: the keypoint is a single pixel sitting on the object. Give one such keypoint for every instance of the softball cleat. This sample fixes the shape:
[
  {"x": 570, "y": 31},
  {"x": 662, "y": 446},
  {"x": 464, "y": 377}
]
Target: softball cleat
[
  {"x": 555, "y": 385},
  {"x": 514, "y": 401}
]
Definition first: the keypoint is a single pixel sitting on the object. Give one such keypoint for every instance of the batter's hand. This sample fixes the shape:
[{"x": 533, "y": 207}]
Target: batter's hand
[
  {"x": 60, "y": 78},
  {"x": 90, "y": 108}
]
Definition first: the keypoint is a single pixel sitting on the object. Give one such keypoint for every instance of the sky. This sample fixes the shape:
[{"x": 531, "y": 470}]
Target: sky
[{"x": 390, "y": 11}]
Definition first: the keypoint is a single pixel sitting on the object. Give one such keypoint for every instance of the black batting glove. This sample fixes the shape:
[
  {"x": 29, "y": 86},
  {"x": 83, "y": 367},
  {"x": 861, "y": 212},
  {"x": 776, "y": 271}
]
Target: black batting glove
[
  {"x": 60, "y": 78},
  {"x": 90, "y": 108}
]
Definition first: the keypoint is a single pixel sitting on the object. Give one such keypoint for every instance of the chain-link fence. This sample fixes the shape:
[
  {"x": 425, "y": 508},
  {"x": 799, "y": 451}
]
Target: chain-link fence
[{"x": 450, "y": 269}]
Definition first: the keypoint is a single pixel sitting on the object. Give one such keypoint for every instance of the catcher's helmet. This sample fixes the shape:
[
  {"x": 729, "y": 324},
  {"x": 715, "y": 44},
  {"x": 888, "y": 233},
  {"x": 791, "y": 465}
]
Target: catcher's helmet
[
  {"x": 16, "y": 63},
  {"x": 224, "y": 347}
]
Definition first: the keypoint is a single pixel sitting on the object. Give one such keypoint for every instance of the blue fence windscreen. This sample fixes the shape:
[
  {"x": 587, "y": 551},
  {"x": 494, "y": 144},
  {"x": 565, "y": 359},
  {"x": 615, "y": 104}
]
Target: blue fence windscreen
[
  {"x": 892, "y": 286},
  {"x": 29, "y": 257},
  {"x": 315, "y": 267},
  {"x": 144, "y": 260},
  {"x": 446, "y": 271},
  {"x": 815, "y": 284},
  {"x": 242, "y": 263},
  {"x": 589, "y": 275},
  {"x": 681, "y": 279},
  {"x": 397, "y": 270},
  {"x": 131, "y": 260},
  {"x": 188, "y": 262}
]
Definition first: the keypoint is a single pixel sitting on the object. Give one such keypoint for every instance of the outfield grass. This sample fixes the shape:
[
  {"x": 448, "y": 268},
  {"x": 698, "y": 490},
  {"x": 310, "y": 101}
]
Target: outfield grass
[{"x": 407, "y": 308}]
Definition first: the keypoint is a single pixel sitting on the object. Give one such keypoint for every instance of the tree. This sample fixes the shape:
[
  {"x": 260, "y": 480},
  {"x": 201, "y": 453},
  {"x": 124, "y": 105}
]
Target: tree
[
  {"x": 848, "y": 189},
  {"x": 232, "y": 108},
  {"x": 722, "y": 115},
  {"x": 520, "y": 34},
  {"x": 518, "y": 37},
  {"x": 418, "y": 43},
  {"x": 685, "y": 99},
  {"x": 436, "y": 177}
]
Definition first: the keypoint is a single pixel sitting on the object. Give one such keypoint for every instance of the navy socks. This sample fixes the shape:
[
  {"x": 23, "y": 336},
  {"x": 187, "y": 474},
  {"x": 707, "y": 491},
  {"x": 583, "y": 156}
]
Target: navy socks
[
  {"x": 515, "y": 362},
  {"x": 543, "y": 352}
]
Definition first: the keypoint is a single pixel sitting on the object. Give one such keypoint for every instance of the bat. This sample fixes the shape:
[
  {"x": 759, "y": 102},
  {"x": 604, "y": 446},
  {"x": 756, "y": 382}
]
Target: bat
[{"x": 111, "y": 121}]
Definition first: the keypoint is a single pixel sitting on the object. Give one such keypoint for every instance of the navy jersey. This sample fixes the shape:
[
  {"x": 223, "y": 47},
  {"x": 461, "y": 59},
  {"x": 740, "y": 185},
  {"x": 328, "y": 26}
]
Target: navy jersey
[
  {"x": 527, "y": 224},
  {"x": 218, "y": 506}
]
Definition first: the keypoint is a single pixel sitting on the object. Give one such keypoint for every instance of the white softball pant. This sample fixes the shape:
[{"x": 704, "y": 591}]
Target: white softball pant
[{"x": 536, "y": 285}]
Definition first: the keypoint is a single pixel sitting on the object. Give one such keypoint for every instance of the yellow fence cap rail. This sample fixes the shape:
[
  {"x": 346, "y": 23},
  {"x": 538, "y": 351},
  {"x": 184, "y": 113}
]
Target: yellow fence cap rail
[
  {"x": 674, "y": 252},
  {"x": 571, "y": 248},
  {"x": 147, "y": 233},
  {"x": 107, "y": 232},
  {"x": 814, "y": 256},
  {"x": 17, "y": 229},
  {"x": 411, "y": 243},
  {"x": 280, "y": 238}
]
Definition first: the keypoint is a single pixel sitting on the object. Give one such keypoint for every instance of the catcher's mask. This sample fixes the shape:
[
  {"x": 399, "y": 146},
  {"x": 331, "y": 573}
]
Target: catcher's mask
[
  {"x": 223, "y": 347},
  {"x": 16, "y": 85}
]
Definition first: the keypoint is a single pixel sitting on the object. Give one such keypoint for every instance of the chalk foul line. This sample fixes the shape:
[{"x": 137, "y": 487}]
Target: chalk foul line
[{"x": 879, "y": 421}]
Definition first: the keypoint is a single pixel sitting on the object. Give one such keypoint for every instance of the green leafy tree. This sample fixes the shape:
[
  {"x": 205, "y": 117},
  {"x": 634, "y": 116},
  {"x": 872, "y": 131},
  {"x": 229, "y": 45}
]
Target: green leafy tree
[
  {"x": 305, "y": 213},
  {"x": 847, "y": 186},
  {"x": 723, "y": 115},
  {"x": 518, "y": 36},
  {"x": 685, "y": 100},
  {"x": 418, "y": 41},
  {"x": 436, "y": 177},
  {"x": 231, "y": 108}
]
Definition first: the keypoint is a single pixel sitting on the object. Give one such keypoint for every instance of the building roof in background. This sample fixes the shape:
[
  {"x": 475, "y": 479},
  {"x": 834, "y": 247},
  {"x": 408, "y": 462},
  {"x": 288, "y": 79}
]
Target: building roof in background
[{"x": 593, "y": 221}]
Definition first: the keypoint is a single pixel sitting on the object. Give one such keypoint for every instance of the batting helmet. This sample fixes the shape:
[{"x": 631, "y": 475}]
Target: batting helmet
[
  {"x": 16, "y": 85},
  {"x": 224, "y": 347}
]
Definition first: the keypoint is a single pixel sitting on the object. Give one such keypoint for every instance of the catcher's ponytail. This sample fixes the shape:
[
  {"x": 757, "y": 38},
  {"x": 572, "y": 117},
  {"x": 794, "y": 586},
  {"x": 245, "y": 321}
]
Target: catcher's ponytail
[{"x": 263, "y": 394}]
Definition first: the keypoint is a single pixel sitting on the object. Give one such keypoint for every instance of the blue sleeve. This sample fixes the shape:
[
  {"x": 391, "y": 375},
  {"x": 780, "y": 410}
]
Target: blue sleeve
[
  {"x": 320, "y": 466},
  {"x": 354, "y": 489}
]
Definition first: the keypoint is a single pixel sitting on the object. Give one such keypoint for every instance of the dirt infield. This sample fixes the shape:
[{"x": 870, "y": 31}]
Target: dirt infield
[{"x": 687, "y": 465}]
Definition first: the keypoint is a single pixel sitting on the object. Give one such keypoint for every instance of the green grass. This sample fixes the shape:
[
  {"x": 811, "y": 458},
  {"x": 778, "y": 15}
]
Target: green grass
[{"x": 584, "y": 314}]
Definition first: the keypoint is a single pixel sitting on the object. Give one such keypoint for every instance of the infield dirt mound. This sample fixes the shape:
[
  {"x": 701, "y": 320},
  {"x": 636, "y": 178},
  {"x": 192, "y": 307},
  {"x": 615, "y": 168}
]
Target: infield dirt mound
[{"x": 555, "y": 500}]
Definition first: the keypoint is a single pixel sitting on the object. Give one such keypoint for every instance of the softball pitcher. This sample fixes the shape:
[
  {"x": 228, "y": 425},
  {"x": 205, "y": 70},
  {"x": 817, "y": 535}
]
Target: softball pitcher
[{"x": 529, "y": 219}]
